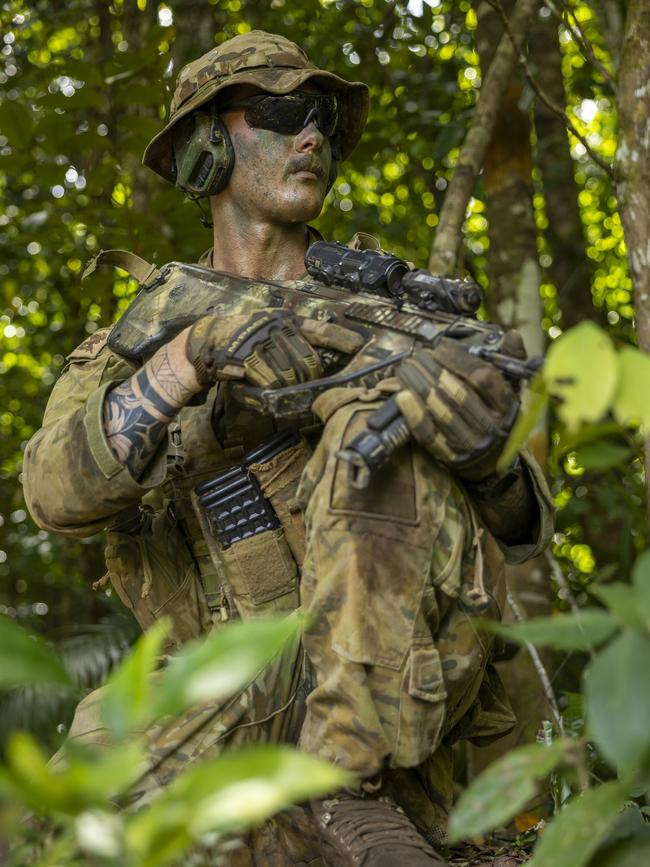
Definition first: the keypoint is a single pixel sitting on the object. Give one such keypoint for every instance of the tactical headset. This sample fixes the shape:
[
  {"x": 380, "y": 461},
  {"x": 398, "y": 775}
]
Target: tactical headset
[{"x": 203, "y": 154}]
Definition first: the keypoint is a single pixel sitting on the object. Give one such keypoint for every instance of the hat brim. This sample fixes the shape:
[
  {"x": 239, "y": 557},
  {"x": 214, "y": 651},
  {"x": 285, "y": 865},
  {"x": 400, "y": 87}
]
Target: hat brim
[{"x": 353, "y": 107}]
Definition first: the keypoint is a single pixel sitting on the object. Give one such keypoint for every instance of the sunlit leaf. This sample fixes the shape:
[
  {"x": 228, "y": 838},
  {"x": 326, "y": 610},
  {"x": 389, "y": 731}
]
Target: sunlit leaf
[
  {"x": 581, "y": 369},
  {"x": 580, "y": 631},
  {"x": 215, "y": 667},
  {"x": 25, "y": 658},
  {"x": 501, "y": 791},
  {"x": 575, "y": 833},
  {"x": 128, "y": 697},
  {"x": 228, "y": 793},
  {"x": 617, "y": 700},
  {"x": 535, "y": 407},
  {"x": 630, "y": 401}
]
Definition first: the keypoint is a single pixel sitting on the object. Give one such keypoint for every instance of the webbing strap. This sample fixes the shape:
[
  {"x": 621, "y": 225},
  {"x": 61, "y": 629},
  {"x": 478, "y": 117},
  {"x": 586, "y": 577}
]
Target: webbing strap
[{"x": 133, "y": 264}]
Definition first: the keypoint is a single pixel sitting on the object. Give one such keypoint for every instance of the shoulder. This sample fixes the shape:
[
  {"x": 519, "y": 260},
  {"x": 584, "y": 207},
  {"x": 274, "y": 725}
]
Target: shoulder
[{"x": 91, "y": 346}]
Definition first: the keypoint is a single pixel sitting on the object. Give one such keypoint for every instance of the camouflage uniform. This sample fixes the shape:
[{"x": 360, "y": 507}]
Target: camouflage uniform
[{"x": 394, "y": 668}]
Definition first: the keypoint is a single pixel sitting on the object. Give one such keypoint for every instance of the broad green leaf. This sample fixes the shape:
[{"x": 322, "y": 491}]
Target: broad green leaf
[
  {"x": 215, "y": 667},
  {"x": 232, "y": 792},
  {"x": 622, "y": 600},
  {"x": 528, "y": 418},
  {"x": 25, "y": 658},
  {"x": 501, "y": 791},
  {"x": 575, "y": 833},
  {"x": 630, "y": 853},
  {"x": 641, "y": 583},
  {"x": 84, "y": 777},
  {"x": 580, "y": 631},
  {"x": 630, "y": 403},
  {"x": 602, "y": 456},
  {"x": 617, "y": 700},
  {"x": 581, "y": 369},
  {"x": 128, "y": 698}
]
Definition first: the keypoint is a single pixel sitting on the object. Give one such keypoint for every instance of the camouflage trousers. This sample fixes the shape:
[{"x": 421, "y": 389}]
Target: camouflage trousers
[{"x": 392, "y": 577}]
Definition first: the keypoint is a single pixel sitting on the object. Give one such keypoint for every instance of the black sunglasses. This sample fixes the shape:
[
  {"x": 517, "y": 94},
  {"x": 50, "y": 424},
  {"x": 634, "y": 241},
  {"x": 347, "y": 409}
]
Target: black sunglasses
[{"x": 289, "y": 113}]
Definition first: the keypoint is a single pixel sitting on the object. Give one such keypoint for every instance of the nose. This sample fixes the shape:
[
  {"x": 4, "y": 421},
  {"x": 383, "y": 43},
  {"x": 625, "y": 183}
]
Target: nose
[{"x": 309, "y": 139}]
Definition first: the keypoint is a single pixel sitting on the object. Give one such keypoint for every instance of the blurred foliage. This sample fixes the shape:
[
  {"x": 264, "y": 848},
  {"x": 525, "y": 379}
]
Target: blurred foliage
[
  {"x": 77, "y": 800},
  {"x": 80, "y": 96}
]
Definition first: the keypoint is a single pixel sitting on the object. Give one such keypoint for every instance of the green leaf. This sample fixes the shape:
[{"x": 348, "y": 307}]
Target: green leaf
[
  {"x": 622, "y": 601},
  {"x": 630, "y": 402},
  {"x": 81, "y": 778},
  {"x": 575, "y": 833},
  {"x": 580, "y": 631},
  {"x": 215, "y": 667},
  {"x": 535, "y": 407},
  {"x": 232, "y": 792},
  {"x": 602, "y": 456},
  {"x": 26, "y": 659},
  {"x": 631, "y": 853},
  {"x": 501, "y": 791},
  {"x": 617, "y": 700},
  {"x": 641, "y": 583},
  {"x": 129, "y": 694},
  {"x": 581, "y": 369}
]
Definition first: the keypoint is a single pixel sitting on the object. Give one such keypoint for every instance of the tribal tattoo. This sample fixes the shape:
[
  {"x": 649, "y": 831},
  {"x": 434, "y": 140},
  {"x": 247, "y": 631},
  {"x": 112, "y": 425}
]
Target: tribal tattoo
[{"x": 137, "y": 412}]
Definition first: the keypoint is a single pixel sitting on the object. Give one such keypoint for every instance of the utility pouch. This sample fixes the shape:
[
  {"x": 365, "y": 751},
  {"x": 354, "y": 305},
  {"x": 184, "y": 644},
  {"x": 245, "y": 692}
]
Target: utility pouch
[{"x": 244, "y": 534}]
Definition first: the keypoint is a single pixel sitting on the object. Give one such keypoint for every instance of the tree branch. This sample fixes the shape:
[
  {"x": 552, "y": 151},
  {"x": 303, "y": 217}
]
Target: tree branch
[
  {"x": 443, "y": 251},
  {"x": 579, "y": 37},
  {"x": 556, "y": 109}
]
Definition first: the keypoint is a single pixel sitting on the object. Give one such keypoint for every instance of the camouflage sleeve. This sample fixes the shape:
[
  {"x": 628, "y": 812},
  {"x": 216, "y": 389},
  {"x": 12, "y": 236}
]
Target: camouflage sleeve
[
  {"x": 544, "y": 522},
  {"x": 72, "y": 481}
]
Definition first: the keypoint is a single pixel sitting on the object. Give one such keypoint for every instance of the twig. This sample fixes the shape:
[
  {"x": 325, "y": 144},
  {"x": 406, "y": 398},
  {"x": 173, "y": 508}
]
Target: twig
[
  {"x": 562, "y": 583},
  {"x": 472, "y": 152},
  {"x": 539, "y": 666},
  {"x": 579, "y": 37},
  {"x": 556, "y": 109}
]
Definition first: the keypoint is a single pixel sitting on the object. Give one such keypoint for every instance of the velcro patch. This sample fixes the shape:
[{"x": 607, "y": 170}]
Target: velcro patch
[{"x": 91, "y": 346}]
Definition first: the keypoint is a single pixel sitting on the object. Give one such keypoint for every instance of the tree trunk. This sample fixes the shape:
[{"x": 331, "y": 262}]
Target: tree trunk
[
  {"x": 495, "y": 84},
  {"x": 633, "y": 167},
  {"x": 569, "y": 270},
  {"x": 513, "y": 300}
]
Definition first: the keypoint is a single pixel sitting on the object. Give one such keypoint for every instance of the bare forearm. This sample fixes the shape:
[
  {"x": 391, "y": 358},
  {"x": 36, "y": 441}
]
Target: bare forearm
[{"x": 137, "y": 412}]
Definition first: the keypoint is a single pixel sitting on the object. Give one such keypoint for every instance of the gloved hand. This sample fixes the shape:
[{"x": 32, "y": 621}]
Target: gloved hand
[
  {"x": 459, "y": 407},
  {"x": 266, "y": 347}
]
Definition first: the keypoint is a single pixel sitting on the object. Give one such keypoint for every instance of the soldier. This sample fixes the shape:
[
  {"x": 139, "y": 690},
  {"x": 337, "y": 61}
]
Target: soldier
[{"x": 393, "y": 670}]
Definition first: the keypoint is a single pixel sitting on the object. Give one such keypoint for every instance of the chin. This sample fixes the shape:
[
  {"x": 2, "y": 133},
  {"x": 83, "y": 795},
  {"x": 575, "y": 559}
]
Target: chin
[{"x": 302, "y": 210}]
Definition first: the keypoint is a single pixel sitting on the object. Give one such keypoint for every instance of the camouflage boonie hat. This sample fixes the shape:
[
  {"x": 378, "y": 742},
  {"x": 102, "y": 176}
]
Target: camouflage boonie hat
[{"x": 269, "y": 62}]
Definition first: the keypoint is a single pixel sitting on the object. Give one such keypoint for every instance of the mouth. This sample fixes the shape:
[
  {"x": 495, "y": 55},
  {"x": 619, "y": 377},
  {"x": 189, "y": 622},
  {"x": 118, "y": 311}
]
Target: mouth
[{"x": 307, "y": 169}]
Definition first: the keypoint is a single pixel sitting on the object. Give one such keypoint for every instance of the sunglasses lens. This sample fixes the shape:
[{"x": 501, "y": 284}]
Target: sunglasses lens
[{"x": 289, "y": 114}]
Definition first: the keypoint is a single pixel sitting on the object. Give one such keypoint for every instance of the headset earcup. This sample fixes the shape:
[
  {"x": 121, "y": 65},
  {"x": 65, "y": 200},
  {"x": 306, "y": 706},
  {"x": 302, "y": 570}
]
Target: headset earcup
[{"x": 203, "y": 154}]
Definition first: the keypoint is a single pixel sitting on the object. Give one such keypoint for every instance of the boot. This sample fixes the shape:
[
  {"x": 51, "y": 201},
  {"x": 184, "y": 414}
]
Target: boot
[{"x": 370, "y": 831}]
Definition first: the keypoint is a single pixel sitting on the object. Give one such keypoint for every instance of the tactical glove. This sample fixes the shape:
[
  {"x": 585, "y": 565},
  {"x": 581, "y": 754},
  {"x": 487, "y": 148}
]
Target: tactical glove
[
  {"x": 266, "y": 347},
  {"x": 458, "y": 407}
]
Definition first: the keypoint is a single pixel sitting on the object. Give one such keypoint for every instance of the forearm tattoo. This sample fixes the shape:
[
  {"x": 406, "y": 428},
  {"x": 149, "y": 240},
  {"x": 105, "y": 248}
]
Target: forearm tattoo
[{"x": 137, "y": 412}]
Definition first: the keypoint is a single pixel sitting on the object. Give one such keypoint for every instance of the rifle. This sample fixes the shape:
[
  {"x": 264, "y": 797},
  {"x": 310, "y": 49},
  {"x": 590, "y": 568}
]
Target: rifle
[{"x": 395, "y": 307}]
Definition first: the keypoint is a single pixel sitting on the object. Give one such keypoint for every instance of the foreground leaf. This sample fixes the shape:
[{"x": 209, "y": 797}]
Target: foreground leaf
[
  {"x": 128, "y": 697},
  {"x": 25, "y": 658},
  {"x": 230, "y": 793},
  {"x": 630, "y": 403},
  {"x": 581, "y": 369},
  {"x": 580, "y": 631},
  {"x": 575, "y": 833},
  {"x": 617, "y": 700},
  {"x": 86, "y": 777},
  {"x": 641, "y": 583},
  {"x": 534, "y": 409},
  {"x": 215, "y": 667},
  {"x": 502, "y": 791},
  {"x": 602, "y": 456},
  {"x": 631, "y": 853},
  {"x": 622, "y": 600}
]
